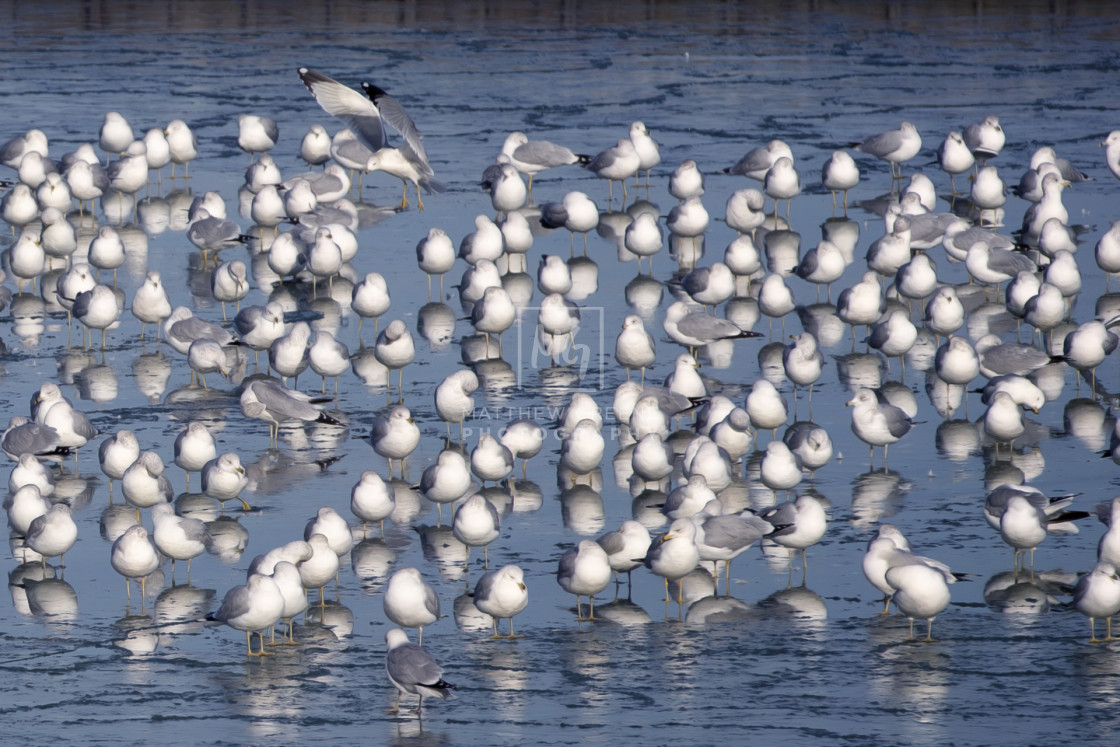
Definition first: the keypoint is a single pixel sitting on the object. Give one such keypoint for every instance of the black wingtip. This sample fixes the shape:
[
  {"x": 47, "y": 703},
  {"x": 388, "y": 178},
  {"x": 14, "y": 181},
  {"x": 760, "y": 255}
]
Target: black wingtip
[
  {"x": 373, "y": 91},
  {"x": 326, "y": 419},
  {"x": 583, "y": 158}
]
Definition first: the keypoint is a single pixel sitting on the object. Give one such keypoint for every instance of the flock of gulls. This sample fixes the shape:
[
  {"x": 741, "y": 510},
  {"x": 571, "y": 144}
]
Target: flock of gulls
[{"x": 683, "y": 441}]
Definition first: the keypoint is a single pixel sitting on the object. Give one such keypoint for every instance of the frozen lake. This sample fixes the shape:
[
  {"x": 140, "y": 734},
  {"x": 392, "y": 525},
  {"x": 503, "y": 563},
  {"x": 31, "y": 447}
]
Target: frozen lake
[{"x": 778, "y": 659}]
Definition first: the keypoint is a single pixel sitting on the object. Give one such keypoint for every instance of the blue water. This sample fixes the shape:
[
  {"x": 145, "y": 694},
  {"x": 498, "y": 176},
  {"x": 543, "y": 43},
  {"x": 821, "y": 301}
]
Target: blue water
[{"x": 777, "y": 660}]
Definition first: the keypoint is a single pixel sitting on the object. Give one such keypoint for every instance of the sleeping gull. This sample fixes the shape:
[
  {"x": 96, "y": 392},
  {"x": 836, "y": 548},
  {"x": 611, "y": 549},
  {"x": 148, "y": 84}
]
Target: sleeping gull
[
  {"x": 584, "y": 570},
  {"x": 502, "y": 594},
  {"x": 409, "y": 601}
]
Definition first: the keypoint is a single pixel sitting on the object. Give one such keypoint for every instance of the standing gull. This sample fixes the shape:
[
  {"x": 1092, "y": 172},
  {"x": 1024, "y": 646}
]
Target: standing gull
[
  {"x": 272, "y": 402},
  {"x": 409, "y": 601},
  {"x": 531, "y": 157},
  {"x": 877, "y": 424},
  {"x": 412, "y": 670},
  {"x": 893, "y": 146},
  {"x": 502, "y": 594},
  {"x": 584, "y": 570}
]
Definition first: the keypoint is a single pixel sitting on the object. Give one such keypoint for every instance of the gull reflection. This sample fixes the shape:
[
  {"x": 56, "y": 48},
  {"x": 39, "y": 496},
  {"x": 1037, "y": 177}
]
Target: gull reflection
[
  {"x": 581, "y": 508},
  {"x": 228, "y": 538},
  {"x": 372, "y": 561},
  {"x": 877, "y": 495},
  {"x": 137, "y": 635}
]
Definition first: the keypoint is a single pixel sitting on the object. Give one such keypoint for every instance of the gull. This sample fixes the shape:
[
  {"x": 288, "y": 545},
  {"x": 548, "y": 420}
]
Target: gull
[
  {"x": 316, "y": 571},
  {"x": 224, "y": 478},
  {"x": 634, "y": 347},
  {"x": 956, "y": 361},
  {"x": 27, "y": 259},
  {"x": 178, "y": 537},
  {"x": 395, "y": 436},
  {"x": 287, "y": 355},
  {"x": 782, "y": 183},
  {"x": 182, "y": 144},
  {"x": 409, "y": 601},
  {"x": 412, "y": 670},
  {"x": 324, "y": 256},
  {"x": 553, "y": 275},
  {"x": 115, "y": 134},
  {"x": 775, "y": 299},
  {"x": 798, "y": 524},
  {"x": 617, "y": 163},
  {"x": 264, "y": 173},
  {"x": 779, "y": 468},
  {"x": 684, "y": 380},
  {"x": 558, "y": 316},
  {"x": 688, "y": 499},
  {"x": 229, "y": 282},
  {"x": 370, "y": 298},
  {"x": 1049, "y": 206},
  {"x": 150, "y": 302},
  {"x": 211, "y": 233},
  {"x": 1062, "y": 272},
  {"x": 130, "y": 174},
  {"x": 1107, "y": 250},
  {"x": 143, "y": 483},
  {"x": 1068, "y": 172},
  {"x": 745, "y": 210},
  {"x": 30, "y": 471},
  {"x": 502, "y": 594},
  {"x": 315, "y": 147},
  {"x": 890, "y": 252},
  {"x": 286, "y": 576},
  {"x": 693, "y": 327},
  {"x": 372, "y": 499},
  {"x": 328, "y": 357},
  {"x": 894, "y": 335},
  {"x": 252, "y": 607},
  {"x": 992, "y": 265},
  {"x": 530, "y": 157},
  {"x": 766, "y": 406},
  {"x": 581, "y": 451},
  {"x": 576, "y": 212},
  {"x": 840, "y": 173},
  {"x": 436, "y": 256},
  {"x": 485, "y": 242},
  {"x": 52, "y": 534},
  {"x": 58, "y": 238},
  {"x": 686, "y": 180},
  {"x": 862, "y": 303},
  {"x": 649, "y": 152},
  {"x": 87, "y": 182},
  {"x": 22, "y": 436},
  {"x": 652, "y": 459},
  {"x": 674, "y": 554},
  {"x": 490, "y": 459},
  {"x": 156, "y": 151},
  {"x": 524, "y": 438},
  {"x": 270, "y": 401},
  {"x": 18, "y": 207},
  {"x": 875, "y": 423},
  {"x": 206, "y": 356},
  {"x": 944, "y": 312},
  {"x": 1108, "y": 547},
  {"x": 1023, "y": 391},
  {"x": 24, "y": 504},
  {"x": 477, "y": 524},
  {"x": 1028, "y": 517},
  {"x": 1046, "y": 310},
  {"x": 1097, "y": 595},
  {"x": 476, "y": 280},
  {"x": 810, "y": 443},
  {"x": 13, "y": 151},
  {"x": 626, "y": 547},
  {"x": 1088, "y": 346},
  {"x": 446, "y": 481},
  {"x": 259, "y": 326},
  {"x": 803, "y": 361},
  {"x": 988, "y": 192},
  {"x": 366, "y": 117},
  {"x": 688, "y": 220},
  {"x": 329, "y": 185},
  {"x": 494, "y": 313},
  {"x": 395, "y": 349},
  {"x": 920, "y": 591},
  {"x": 893, "y": 146},
  {"x": 822, "y": 265},
  {"x": 1003, "y": 420},
  {"x": 508, "y": 192},
  {"x": 333, "y": 526},
  {"x": 998, "y": 358},
  {"x": 117, "y": 453},
  {"x": 727, "y": 536},
  {"x": 134, "y": 556},
  {"x": 954, "y": 156},
  {"x": 584, "y": 570},
  {"x": 733, "y": 434},
  {"x": 709, "y": 286},
  {"x": 986, "y": 138},
  {"x": 917, "y": 278},
  {"x": 758, "y": 161},
  {"x": 256, "y": 134},
  {"x": 106, "y": 251},
  {"x": 644, "y": 237}
]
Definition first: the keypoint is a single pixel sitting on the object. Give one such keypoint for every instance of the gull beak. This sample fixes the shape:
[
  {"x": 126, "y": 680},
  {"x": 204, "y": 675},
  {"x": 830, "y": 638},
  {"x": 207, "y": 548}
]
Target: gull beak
[
  {"x": 521, "y": 586},
  {"x": 667, "y": 536},
  {"x": 241, "y": 470},
  {"x": 849, "y": 403}
]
